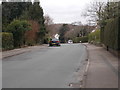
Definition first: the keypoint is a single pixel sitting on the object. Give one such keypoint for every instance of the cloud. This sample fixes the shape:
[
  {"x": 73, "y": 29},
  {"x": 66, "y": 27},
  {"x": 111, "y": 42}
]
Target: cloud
[{"x": 64, "y": 11}]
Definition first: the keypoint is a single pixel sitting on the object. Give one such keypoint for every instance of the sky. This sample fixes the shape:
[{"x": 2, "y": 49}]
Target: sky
[{"x": 65, "y": 11}]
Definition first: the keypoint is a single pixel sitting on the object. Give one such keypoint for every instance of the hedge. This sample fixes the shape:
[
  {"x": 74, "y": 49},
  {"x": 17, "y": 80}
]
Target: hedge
[
  {"x": 111, "y": 31},
  {"x": 7, "y": 40},
  {"x": 94, "y": 37},
  {"x": 82, "y": 39}
]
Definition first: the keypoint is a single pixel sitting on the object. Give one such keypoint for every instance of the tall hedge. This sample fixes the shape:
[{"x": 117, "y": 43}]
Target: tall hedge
[
  {"x": 111, "y": 34},
  {"x": 7, "y": 40},
  {"x": 119, "y": 33}
]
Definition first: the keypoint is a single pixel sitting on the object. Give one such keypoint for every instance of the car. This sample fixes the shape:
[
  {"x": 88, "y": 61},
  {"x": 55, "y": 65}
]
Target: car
[
  {"x": 54, "y": 42},
  {"x": 70, "y": 41}
]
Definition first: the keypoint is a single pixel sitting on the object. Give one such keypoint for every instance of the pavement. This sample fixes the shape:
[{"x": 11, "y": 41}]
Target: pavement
[{"x": 102, "y": 68}]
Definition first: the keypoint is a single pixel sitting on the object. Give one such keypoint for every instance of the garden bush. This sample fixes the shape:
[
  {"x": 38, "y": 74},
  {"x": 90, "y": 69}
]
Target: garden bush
[
  {"x": 82, "y": 39},
  {"x": 7, "y": 40},
  {"x": 18, "y": 29},
  {"x": 30, "y": 43},
  {"x": 94, "y": 37}
]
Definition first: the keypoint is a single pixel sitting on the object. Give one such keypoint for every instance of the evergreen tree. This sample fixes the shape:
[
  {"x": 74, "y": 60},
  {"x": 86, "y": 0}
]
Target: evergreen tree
[
  {"x": 62, "y": 32},
  {"x": 12, "y": 10},
  {"x": 24, "y": 11}
]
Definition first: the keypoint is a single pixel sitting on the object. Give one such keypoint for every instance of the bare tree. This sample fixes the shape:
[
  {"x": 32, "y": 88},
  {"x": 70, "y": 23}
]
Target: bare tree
[
  {"x": 48, "y": 20},
  {"x": 94, "y": 12},
  {"x": 49, "y": 25}
]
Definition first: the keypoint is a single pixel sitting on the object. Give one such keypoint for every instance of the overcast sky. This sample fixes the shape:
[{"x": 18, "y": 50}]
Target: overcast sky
[{"x": 65, "y": 11}]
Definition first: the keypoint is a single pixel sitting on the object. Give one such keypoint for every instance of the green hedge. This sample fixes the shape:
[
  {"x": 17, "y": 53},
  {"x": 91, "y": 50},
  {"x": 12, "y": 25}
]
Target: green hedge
[
  {"x": 94, "y": 37},
  {"x": 7, "y": 40},
  {"x": 82, "y": 39},
  {"x": 111, "y": 31}
]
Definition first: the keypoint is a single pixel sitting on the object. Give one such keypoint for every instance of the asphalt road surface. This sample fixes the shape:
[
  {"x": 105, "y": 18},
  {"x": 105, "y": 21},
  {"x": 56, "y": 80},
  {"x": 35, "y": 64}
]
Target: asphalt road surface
[{"x": 50, "y": 67}]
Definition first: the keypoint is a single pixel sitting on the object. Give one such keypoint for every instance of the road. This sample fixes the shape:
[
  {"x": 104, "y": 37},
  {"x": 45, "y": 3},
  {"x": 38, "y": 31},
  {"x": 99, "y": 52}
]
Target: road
[{"x": 50, "y": 67}]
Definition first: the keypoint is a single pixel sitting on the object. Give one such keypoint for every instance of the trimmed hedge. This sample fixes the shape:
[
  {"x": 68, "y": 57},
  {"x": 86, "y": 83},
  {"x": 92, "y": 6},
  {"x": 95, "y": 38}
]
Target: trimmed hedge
[
  {"x": 7, "y": 40},
  {"x": 94, "y": 37},
  {"x": 82, "y": 39},
  {"x": 111, "y": 31}
]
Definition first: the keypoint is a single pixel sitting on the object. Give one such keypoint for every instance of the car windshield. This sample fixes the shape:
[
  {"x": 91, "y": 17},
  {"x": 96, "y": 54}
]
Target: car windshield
[
  {"x": 55, "y": 39},
  {"x": 70, "y": 41}
]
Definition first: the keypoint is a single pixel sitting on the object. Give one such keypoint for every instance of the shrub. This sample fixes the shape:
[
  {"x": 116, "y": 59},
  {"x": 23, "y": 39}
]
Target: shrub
[
  {"x": 18, "y": 28},
  {"x": 82, "y": 39},
  {"x": 94, "y": 37},
  {"x": 30, "y": 42},
  {"x": 7, "y": 40}
]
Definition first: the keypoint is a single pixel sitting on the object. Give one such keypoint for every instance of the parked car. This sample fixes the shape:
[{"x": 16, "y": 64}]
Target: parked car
[
  {"x": 70, "y": 41},
  {"x": 54, "y": 42}
]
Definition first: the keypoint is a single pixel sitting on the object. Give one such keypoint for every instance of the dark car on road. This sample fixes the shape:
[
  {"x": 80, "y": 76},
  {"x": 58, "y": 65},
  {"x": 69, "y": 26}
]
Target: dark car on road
[{"x": 54, "y": 42}]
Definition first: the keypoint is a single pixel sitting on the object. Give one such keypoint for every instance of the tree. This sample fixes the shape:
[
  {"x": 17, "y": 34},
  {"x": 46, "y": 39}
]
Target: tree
[
  {"x": 48, "y": 20},
  {"x": 111, "y": 10},
  {"x": 77, "y": 31},
  {"x": 36, "y": 13},
  {"x": 0, "y": 18},
  {"x": 77, "y": 23},
  {"x": 12, "y": 10},
  {"x": 107, "y": 17},
  {"x": 18, "y": 29},
  {"x": 13, "y": 15},
  {"x": 62, "y": 32},
  {"x": 94, "y": 12},
  {"x": 110, "y": 24}
]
